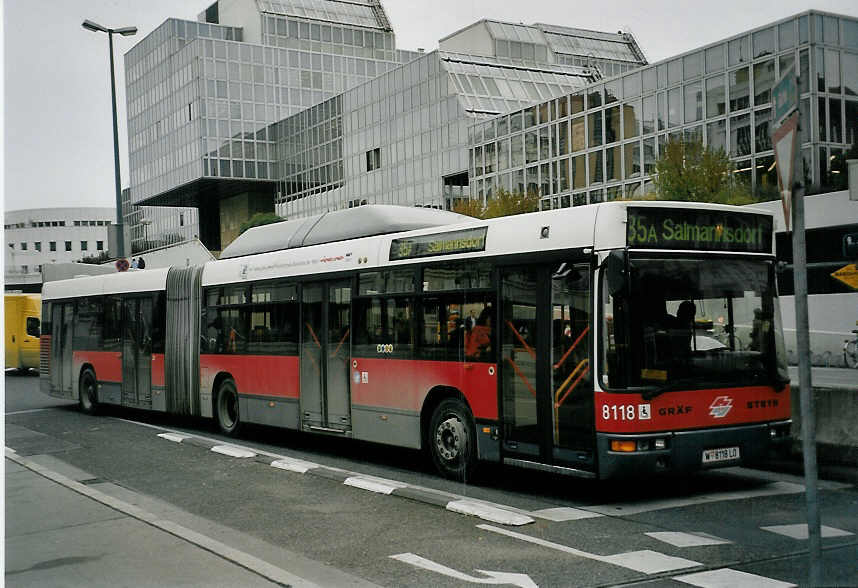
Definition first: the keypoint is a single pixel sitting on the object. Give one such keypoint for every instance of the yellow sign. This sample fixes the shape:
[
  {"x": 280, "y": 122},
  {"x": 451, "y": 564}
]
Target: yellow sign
[{"x": 848, "y": 275}]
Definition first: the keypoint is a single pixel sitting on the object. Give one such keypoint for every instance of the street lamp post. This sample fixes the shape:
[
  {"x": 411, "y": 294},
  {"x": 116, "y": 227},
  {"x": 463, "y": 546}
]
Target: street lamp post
[{"x": 125, "y": 32}]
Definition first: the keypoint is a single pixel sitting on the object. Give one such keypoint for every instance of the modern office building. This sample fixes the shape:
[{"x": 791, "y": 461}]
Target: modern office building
[
  {"x": 39, "y": 236},
  {"x": 601, "y": 143},
  {"x": 308, "y": 103},
  {"x": 402, "y": 138},
  {"x": 201, "y": 98},
  {"x": 277, "y": 100}
]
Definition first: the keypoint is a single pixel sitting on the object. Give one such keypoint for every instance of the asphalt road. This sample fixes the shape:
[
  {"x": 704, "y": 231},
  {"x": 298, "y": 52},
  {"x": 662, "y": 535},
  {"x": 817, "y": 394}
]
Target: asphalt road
[{"x": 338, "y": 519}]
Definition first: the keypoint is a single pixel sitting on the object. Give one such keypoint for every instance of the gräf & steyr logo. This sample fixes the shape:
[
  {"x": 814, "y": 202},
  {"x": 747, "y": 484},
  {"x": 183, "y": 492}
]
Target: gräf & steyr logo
[{"x": 720, "y": 407}]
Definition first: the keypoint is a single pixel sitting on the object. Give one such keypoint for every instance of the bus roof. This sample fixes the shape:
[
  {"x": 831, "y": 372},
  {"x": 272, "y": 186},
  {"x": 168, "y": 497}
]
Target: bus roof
[{"x": 117, "y": 283}]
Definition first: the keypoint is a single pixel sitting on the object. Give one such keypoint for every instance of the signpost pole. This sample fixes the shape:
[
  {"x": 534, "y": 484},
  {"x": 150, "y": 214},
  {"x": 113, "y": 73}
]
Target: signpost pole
[
  {"x": 808, "y": 416},
  {"x": 786, "y": 117}
]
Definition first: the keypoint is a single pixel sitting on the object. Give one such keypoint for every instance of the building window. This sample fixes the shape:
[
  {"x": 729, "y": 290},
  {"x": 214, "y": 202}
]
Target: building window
[
  {"x": 11, "y": 245},
  {"x": 53, "y": 246},
  {"x": 99, "y": 245},
  {"x": 24, "y": 246},
  {"x": 84, "y": 245},
  {"x": 38, "y": 245},
  {"x": 373, "y": 159},
  {"x": 68, "y": 245}
]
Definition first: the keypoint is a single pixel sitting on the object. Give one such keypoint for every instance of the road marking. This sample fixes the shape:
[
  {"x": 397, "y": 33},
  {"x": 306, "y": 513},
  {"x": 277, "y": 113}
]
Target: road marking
[
  {"x": 511, "y": 578},
  {"x": 799, "y": 531},
  {"x": 559, "y": 515},
  {"x": 233, "y": 451},
  {"x": 631, "y": 508},
  {"x": 679, "y": 539},
  {"x": 488, "y": 512},
  {"x": 175, "y": 438},
  {"x": 727, "y": 578},
  {"x": 380, "y": 485},
  {"x": 645, "y": 561},
  {"x": 290, "y": 464},
  {"x": 240, "y": 558},
  {"x": 29, "y": 411}
]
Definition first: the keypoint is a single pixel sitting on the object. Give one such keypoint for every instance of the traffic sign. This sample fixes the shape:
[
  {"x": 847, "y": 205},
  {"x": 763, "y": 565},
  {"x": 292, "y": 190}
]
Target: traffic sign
[
  {"x": 848, "y": 274},
  {"x": 785, "y": 95},
  {"x": 122, "y": 265},
  {"x": 784, "y": 141}
]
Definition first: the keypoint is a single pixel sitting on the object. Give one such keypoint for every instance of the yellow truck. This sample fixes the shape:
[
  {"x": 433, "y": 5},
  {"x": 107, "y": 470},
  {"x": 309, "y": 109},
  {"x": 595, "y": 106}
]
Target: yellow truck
[{"x": 23, "y": 321}]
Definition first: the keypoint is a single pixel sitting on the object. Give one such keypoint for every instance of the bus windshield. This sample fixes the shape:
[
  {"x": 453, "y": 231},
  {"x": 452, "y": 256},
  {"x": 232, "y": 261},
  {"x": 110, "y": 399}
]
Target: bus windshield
[{"x": 679, "y": 323}]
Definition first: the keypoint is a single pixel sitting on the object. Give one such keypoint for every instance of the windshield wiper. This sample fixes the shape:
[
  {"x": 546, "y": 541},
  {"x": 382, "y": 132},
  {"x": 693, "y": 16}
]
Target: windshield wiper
[{"x": 678, "y": 384}]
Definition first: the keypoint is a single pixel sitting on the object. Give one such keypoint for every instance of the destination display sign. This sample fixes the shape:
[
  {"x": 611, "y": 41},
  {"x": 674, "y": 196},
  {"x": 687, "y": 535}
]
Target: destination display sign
[
  {"x": 466, "y": 241},
  {"x": 707, "y": 230}
]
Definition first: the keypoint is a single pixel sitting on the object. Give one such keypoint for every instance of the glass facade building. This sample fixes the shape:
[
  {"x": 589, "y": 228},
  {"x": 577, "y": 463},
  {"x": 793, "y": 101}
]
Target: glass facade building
[
  {"x": 602, "y": 142},
  {"x": 202, "y": 96}
]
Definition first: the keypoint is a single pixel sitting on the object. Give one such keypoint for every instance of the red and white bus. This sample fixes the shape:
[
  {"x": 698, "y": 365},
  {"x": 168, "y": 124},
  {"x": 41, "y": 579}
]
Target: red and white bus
[{"x": 597, "y": 341}]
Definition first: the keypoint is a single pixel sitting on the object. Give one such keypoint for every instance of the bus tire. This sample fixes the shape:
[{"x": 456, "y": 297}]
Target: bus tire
[
  {"x": 226, "y": 408},
  {"x": 452, "y": 440},
  {"x": 88, "y": 392}
]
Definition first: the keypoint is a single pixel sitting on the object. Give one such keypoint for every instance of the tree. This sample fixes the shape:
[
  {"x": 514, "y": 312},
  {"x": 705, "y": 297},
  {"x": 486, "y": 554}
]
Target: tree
[
  {"x": 259, "y": 219},
  {"x": 694, "y": 173},
  {"x": 503, "y": 203}
]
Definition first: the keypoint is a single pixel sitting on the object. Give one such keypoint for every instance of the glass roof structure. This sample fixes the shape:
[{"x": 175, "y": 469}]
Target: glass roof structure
[
  {"x": 363, "y": 13},
  {"x": 515, "y": 32},
  {"x": 486, "y": 85},
  {"x": 590, "y": 43}
]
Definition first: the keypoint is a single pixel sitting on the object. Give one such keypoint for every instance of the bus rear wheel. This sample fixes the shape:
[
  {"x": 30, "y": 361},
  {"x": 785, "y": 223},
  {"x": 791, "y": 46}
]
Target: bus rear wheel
[
  {"x": 226, "y": 408},
  {"x": 452, "y": 441},
  {"x": 88, "y": 392}
]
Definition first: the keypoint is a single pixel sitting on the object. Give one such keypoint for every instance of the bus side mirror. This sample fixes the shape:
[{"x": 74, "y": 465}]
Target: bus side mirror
[{"x": 615, "y": 271}]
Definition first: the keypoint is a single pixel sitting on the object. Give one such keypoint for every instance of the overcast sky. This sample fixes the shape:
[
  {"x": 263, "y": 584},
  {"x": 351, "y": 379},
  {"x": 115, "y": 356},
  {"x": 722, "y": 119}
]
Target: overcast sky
[{"x": 58, "y": 141}]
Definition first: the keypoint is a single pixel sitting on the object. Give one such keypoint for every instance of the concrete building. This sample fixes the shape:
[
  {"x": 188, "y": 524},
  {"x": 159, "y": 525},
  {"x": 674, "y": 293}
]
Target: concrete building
[{"x": 38, "y": 236}]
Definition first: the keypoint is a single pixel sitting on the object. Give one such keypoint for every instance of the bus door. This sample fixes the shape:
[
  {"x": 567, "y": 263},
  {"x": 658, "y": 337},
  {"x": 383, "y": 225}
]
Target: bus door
[
  {"x": 546, "y": 387},
  {"x": 137, "y": 352},
  {"x": 325, "y": 355},
  {"x": 62, "y": 329}
]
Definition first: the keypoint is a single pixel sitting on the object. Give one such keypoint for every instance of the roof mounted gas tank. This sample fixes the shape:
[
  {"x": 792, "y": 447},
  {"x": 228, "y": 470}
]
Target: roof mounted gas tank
[{"x": 338, "y": 225}]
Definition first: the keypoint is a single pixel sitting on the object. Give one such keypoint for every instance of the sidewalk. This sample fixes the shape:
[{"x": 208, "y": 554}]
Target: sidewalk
[{"x": 56, "y": 536}]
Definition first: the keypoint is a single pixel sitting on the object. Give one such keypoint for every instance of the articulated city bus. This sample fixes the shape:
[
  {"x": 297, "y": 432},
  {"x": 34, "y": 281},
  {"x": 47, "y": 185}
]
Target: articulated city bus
[{"x": 598, "y": 341}]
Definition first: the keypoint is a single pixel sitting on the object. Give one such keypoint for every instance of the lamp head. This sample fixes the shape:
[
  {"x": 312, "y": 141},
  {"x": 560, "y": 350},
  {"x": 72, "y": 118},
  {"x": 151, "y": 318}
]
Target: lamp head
[{"x": 93, "y": 26}]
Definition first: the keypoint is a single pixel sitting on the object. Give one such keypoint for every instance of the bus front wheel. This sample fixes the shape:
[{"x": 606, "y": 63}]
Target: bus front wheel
[
  {"x": 226, "y": 408},
  {"x": 88, "y": 392},
  {"x": 452, "y": 441}
]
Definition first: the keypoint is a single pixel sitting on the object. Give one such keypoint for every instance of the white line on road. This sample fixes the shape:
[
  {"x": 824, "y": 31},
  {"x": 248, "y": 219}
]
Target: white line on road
[
  {"x": 29, "y": 411},
  {"x": 511, "y": 578},
  {"x": 645, "y": 561},
  {"x": 799, "y": 531},
  {"x": 727, "y": 578},
  {"x": 679, "y": 539}
]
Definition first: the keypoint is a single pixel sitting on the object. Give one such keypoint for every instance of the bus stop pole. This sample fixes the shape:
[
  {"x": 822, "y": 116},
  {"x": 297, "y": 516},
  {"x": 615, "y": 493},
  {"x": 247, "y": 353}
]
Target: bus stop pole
[{"x": 808, "y": 418}]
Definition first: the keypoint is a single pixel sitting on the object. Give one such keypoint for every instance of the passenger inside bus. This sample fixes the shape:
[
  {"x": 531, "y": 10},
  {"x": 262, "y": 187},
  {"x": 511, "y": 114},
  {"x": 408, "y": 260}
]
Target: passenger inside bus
[{"x": 478, "y": 339}]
